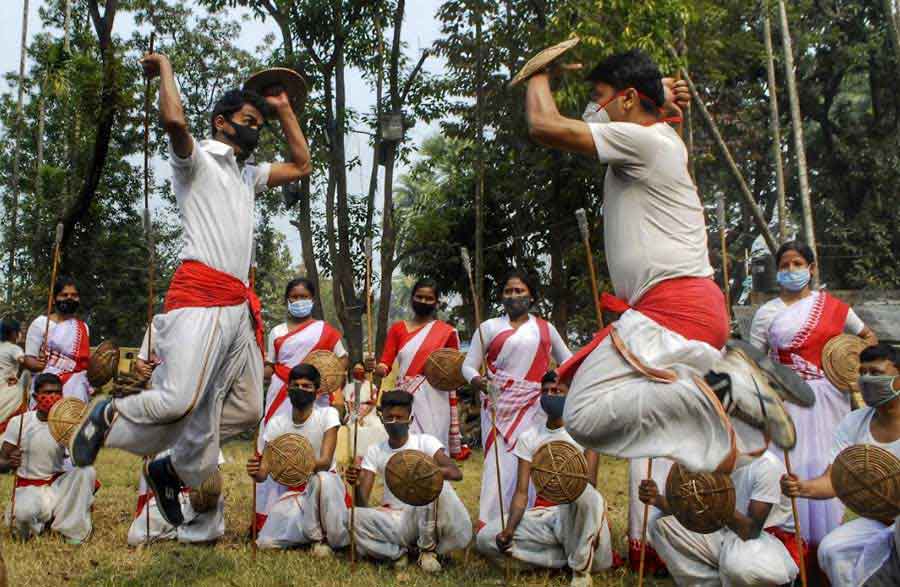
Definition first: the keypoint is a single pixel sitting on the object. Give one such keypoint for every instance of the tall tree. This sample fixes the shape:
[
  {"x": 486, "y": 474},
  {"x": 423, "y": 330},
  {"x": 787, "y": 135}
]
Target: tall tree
[{"x": 13, "y": 200}]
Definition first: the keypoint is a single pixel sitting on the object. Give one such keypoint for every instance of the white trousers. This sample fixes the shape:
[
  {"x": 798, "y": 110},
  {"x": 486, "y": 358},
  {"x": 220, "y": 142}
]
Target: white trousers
[
  {"x": 65, "y": 505},
  {"x": 208, "y": 386},
  {"x": 720, "y": 558},
  {"x": 197, "y": 527},
  {"x": 853, "y": 552},
  {"x": 317, "y": 514},
  {"x": 442, "y": 527},
  {"x": 431, "y": 413},
  {"x": 574, "y": 535},
  {"x": 615, "y": 410}
]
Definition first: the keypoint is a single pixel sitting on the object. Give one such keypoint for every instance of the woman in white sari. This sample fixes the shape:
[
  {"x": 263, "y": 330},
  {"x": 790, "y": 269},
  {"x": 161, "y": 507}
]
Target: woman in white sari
[
  {"x": 67, "y": 349},
  {"x": 794, "y": 328},
  {"x": 11, "y": 384}
]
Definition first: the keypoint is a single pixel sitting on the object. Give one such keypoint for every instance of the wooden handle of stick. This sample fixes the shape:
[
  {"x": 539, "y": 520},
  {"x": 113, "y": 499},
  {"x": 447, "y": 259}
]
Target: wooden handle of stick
[
  {"x": 644, "y": 528},
  {"x": 581, "y": 215},
  {"x": 798, "y": 534},
  {"x": 253, "y": 480}
]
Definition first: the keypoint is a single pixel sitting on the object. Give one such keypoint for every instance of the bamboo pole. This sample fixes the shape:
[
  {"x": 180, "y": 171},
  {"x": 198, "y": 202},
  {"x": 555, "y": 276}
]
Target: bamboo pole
[
  {"x": 644, "y": 528},
  {"x": 775, "y": 125},
  {"x": 581, "y": 215},
  {"x": 798, "y": 534}
]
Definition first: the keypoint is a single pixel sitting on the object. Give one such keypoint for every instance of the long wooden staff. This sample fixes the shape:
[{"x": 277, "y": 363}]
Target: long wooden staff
[
  {"x": 259, "y": 423},
  {"x": 723, "y": 230},
  {"x": 798, "y": 535},
  {"x": 644, "y": 528},
  {"x": 46, "y": 350},
  {"x": 581, "y": 215}
]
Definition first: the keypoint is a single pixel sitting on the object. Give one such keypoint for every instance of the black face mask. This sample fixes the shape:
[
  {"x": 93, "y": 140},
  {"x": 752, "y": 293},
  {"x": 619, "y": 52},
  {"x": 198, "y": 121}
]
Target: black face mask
[
  {"x": 67, "y": 306},
  {"x": 517, "y": 306},
  {"x": 397, "y": 430},
  {"x": 300, "y": 399},
  {"x": 245, "y": 137},
  {"x": 553, "y": 405},
  {"x": 423, "y": 309}
]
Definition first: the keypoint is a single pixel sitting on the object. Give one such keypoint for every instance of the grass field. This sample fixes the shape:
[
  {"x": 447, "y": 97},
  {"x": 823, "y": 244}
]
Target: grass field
[{"x": 106, "y": 560}]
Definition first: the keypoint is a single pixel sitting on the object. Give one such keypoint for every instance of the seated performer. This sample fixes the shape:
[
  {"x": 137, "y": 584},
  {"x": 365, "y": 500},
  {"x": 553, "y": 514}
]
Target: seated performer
[
  {"x": 11, "y": 365},
  {"x": 757, "y": 547},
  {"x": 209, "y": 341},
  {"x": 410, "y": 342},
  {"x": 861, "y": 550},
  {"x": 67, "y": 350},
  {"x": 46, "y": 494},
  {"x": 390, "y": 531},
  {"x": 552, "y": 535},
  {"x": 371, "y": 430},
  {"x": 315, "y": 512},
  {"x": 198, "y": 528},
  {"x": 650, "y": 365}
]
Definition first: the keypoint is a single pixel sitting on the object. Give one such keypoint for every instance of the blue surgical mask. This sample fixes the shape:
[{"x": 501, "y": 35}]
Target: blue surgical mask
[
  {"x": 877, "y": 390},
  {"x": 300, "y": 308},
  {"x": 793, "y": 280}
]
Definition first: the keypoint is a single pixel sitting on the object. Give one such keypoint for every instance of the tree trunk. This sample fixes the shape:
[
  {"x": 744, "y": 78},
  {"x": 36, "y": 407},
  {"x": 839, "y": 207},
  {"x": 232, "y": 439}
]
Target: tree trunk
[
  {"x": 67, "y": 24},
  {"x": 307, "y": 246},
  {"x": 479, "y": 181},
  {"x": 890, "y": 15},
  {"x": 39, "y": 156},
  {"x": 775, "y": 127},
  {"x": 376, "y": 145},
  {"x": 13, "y": 234},
  {"x": 799, "y": 145}
]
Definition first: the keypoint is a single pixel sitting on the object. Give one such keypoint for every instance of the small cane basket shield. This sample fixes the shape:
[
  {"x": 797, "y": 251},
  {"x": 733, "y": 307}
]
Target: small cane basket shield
[
  {"x": 840, "y": 361},
  {"x": 104, "y": 364},
  {"x": 413, "y": 477},
  {"x": 329, "y": 367},
  {"x": 443, "y": 369},
  {"x": 64, "y": 416},
  {"x": 269, "y": 82},
  {"x": 289, "y": 459},
  {"x": 866, "y": 478},
  {"x": 206, "y": 497},
  {"x": 702, "y": 502},
  {"x": 559, "y": 472},
  {"x": 542, "y": 60}
]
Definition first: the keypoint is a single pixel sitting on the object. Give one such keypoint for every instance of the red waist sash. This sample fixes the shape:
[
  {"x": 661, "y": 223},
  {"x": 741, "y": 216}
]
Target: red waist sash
[
  {"x": 25, "y": 482},
  {"x": 196, "y": 285},
  {"x": 789, "y": 539}
]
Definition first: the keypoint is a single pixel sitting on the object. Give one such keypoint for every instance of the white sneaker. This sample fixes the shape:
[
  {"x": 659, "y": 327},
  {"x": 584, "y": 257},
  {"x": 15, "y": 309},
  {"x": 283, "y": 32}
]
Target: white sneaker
[
  {"x": 748, "y": 395},
  {"x": 428, "y": 562},
  {"x": 322, "y": 550},
  {"x": 582, "y": 579}
]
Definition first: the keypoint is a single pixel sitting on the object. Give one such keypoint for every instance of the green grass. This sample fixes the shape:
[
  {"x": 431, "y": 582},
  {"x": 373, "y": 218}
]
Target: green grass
[{"x": 106, "y": 560}]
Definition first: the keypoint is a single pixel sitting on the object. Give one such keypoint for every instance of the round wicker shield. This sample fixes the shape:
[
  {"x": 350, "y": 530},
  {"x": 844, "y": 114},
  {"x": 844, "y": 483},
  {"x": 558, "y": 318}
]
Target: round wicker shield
[
  {"x": 64, "y": 416},
  {"x": 702, "y": 502},
  {"x": 269, "y": 81},
  {"x": 413, "y": 477},
  {"x": 206, "y": 497},
  {"x": 329, "y": 367},
  {"x": 289, "y": 459},
  {"x": 104, "y": 364},
  {"x": 840, "y": 361},
  {"x": 867, "y": 479},
  {"x": 559, "y": 472},
  {"x": 443, "y": 369},
  {"x": 542, "y": 60}
]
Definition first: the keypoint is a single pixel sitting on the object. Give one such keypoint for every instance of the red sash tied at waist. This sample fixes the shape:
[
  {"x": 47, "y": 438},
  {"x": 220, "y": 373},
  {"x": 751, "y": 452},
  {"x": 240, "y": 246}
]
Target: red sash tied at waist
[
  {"x": 25, "y": 482},
  {"x": 693, "y": 307},
  {"x": 196, "y": 285}
]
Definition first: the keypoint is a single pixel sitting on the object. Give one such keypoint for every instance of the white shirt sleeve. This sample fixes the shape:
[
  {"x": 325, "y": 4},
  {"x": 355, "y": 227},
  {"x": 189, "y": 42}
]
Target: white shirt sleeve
[
  {"x": 270, "y": 345},
  {"x": 853, "y": 324},
  {"x": 34, "y": 338},
  {"x": 11, "y": 434},
  {"x": 339, "y": 350},
  {"x": 766, "y": 483},
  {"x": 431, "y": 445},
  {"x": 257, "y": 176},
  {"x": 332, "y": 419},
  {"x": 524, "y": 449},
  {"x": 759, "y": 327},
  {"x": 370, "y": 461},
  {"x": 844, "y": 434},
  {"x": 559, "y": 350},
  {"x": 274, "y": 429},
  {"x": 624, "y": 144},
  {"x": 183, "y": 167},
  {"x": 472, "y": 365}
]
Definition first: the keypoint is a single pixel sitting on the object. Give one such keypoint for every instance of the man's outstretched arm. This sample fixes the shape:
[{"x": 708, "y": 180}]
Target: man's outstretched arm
[
  {"x": 300, "y": 164},
  {"x": 171, "y": 113},
  {"x": 548, "y": 127}
]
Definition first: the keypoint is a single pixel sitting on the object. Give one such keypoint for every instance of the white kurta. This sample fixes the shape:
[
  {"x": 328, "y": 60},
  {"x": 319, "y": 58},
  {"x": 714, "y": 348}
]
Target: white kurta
[
  {"x": 851, "y": 553},
  {"x": 211, "y": 368},
  {"x": 574, "y": 534},
  {"x": 516, "y": 364},
  {"x": 815, "y": 425},
  {"x": 61, "y": 499},
  {"x": 10, "y": 395},
  {"x": 313, "y": 429},
  {"x": 198, "y": 527},
  {"x": 64, "y": 342},
  {"x": 387, "y": 532},
  {"x": 722, "y": 557}
]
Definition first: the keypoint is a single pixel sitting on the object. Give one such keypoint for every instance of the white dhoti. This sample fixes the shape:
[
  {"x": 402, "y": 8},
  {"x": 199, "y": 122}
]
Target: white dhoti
[
  {"x": 317, "y": 514},
  {"x": 574, "y": 535},
  {"x": 853, "y": 552},
  {"x": 210, "y": 376},
  {"x": 431, "y": 412},
  {"x": 721, "y": 558},
  {"x": 64, "y": 504},
  {"x": 442, "y": 527},
  {"x": 614, "y": 409},
  {"x": 197, "y": 527}
]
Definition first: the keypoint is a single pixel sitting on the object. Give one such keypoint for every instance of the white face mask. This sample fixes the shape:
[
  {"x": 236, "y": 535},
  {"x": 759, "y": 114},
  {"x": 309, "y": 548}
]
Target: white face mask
[
  {"x": 594, "y": 114},
  {"x": 300, "y": 308}
]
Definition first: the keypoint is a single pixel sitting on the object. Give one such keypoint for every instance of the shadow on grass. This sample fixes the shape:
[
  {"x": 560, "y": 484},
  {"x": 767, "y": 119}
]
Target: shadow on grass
[{"x": 169, "y": 564}]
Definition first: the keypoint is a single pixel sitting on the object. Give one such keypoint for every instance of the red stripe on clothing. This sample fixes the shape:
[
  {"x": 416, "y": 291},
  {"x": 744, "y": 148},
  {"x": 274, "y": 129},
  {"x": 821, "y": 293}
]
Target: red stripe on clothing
[
  {"x": 281, "y": 339},
  {"x": 826, "y": 321},
  {"x": 496, "y": 345},
  {"x": 789, "y": 539},
  {"x": 25, "y": 482},
  {"x": 541, "y": 361},
  {"x": 437, "y": 338}
]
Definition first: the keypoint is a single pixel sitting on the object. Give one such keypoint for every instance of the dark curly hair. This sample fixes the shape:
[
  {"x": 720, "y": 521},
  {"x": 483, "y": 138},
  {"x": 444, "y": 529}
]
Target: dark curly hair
[
  {"x": 233, "y": 100},
  {"x": 632, "y": 69}
]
